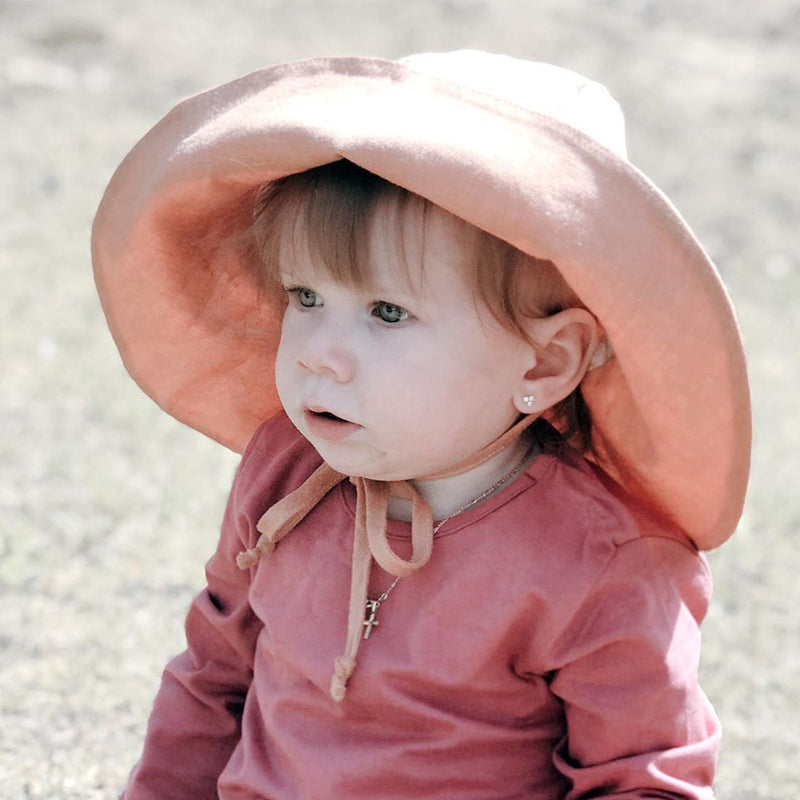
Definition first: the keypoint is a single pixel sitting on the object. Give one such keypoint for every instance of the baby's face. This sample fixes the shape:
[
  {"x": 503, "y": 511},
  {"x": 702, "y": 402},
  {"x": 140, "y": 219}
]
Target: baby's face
[{"x": 402, "y": 379}]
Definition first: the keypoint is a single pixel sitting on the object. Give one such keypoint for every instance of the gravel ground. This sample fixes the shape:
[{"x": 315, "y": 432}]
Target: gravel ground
[{"x": 108, "y": 509}]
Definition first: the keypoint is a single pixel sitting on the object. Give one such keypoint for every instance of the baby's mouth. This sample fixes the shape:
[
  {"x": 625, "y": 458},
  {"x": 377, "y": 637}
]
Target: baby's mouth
[
  {"x": 328, "y": 415},
  {"x": 328, "y": 425}
]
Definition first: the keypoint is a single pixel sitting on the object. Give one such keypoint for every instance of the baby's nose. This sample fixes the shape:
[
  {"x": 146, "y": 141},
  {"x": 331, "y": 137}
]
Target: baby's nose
[{"x": 326, "y": 352}]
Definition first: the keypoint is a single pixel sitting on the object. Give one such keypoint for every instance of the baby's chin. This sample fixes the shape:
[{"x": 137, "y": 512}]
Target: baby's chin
[{"x": 376, "y": 466}]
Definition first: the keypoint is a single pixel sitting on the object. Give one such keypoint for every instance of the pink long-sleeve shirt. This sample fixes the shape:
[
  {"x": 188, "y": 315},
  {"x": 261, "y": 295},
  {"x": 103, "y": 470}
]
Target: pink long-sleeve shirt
[{"x": 548, "y": 650}]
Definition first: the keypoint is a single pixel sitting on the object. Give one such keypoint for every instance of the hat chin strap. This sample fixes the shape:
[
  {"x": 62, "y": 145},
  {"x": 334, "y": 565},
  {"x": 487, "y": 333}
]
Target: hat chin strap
[{"x": 370, "y": 540}]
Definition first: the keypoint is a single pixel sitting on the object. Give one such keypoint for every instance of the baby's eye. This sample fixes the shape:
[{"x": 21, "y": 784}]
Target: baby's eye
[
  {"x": 305, "y": 297},
  {"x": 389, "y": 312}
]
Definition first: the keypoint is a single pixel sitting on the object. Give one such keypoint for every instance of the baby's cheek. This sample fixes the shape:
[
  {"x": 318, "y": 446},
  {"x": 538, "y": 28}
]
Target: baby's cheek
[{"x": 283, "y": 381}]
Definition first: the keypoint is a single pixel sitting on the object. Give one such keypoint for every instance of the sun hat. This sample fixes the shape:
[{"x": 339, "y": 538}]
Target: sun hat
[{"x": 531, "y": 153}]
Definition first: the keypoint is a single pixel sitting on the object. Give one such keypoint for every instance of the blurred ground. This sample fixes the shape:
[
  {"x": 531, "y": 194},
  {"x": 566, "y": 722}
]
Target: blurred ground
[{"x": 108, "y": 509}]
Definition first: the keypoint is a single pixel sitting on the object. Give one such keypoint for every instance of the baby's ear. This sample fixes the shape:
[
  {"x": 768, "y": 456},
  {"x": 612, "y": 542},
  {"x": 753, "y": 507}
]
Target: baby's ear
[{"x": 563, "y": 346}]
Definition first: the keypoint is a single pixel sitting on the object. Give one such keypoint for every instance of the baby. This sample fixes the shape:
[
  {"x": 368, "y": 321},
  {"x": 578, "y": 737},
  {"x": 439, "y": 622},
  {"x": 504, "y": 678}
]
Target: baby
[{"x": 460, "y": 556}]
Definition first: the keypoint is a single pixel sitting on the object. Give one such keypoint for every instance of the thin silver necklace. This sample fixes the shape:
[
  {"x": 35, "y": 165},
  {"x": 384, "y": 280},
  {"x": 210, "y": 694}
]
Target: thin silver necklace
[{"x": 372, "y": 606}]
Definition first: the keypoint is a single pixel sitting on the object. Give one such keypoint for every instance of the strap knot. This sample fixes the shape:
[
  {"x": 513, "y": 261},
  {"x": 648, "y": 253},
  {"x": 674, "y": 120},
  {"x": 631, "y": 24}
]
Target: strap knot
[
  {"x": 343, "y": 668},
  {"x": 249, "y": 558}
]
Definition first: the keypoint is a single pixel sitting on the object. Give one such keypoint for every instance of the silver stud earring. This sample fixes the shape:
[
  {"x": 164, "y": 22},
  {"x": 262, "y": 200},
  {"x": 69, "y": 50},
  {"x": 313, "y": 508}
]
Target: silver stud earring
[{"x": 529, "y": 400}]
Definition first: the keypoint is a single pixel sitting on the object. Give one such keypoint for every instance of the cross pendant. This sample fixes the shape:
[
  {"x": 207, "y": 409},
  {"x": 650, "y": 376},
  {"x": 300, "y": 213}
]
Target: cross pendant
[{"x": 370, "y": 622}]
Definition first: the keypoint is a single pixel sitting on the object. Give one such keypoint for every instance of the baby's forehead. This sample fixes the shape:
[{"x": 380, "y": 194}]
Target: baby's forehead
[{"x": 398, "y": 244}]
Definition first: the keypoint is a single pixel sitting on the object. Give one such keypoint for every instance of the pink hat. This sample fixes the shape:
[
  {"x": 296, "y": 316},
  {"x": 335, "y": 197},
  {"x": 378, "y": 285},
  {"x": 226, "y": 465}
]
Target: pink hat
[{"x": 532, "y": 153}]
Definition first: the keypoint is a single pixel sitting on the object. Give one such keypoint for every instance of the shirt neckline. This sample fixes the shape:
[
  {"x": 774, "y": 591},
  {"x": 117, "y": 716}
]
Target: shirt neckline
[{"x": 400, "y": 529}]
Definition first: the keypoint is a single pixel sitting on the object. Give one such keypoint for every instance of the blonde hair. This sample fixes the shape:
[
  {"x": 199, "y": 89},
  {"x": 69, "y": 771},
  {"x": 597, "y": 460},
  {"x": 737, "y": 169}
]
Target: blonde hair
[{"x": 326, "y": 213}]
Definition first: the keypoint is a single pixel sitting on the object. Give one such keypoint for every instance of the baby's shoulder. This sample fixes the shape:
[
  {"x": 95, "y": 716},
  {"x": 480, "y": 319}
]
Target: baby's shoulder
[
  {"x": 592, "y": 537},
  {"x": 588, "y": 502}
]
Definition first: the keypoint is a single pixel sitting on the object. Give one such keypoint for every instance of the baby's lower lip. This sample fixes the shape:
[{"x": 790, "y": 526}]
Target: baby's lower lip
[{"x": 327, "y": 426}]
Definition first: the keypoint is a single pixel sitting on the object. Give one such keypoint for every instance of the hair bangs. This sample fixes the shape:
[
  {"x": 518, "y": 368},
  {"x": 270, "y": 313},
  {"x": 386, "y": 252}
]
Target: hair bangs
[{"x": 325, "y": 217}]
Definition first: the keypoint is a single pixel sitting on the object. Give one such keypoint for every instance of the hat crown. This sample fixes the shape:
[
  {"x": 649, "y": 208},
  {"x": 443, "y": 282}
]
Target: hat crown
[{"x": 546, "y": 89}]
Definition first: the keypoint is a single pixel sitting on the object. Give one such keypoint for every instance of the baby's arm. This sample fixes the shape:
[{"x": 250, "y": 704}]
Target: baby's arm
[
  {"x": 195, "y": 722},
  {"x": 638, "y": 724}
]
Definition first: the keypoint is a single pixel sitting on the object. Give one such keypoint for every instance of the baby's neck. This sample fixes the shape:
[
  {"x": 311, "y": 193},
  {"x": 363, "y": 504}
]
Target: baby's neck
[{"x": 447, "y": 497}]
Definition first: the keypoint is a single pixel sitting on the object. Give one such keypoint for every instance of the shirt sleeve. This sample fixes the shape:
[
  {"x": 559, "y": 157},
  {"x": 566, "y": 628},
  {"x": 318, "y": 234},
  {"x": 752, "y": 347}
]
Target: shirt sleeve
[
  {"x": 195, "y": 723},
  {"x": 638, "y": 723}
]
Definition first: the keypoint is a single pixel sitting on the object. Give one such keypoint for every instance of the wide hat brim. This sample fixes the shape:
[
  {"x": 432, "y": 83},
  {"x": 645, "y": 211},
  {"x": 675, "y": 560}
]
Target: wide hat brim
[{"x": 670, "y": 409}]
